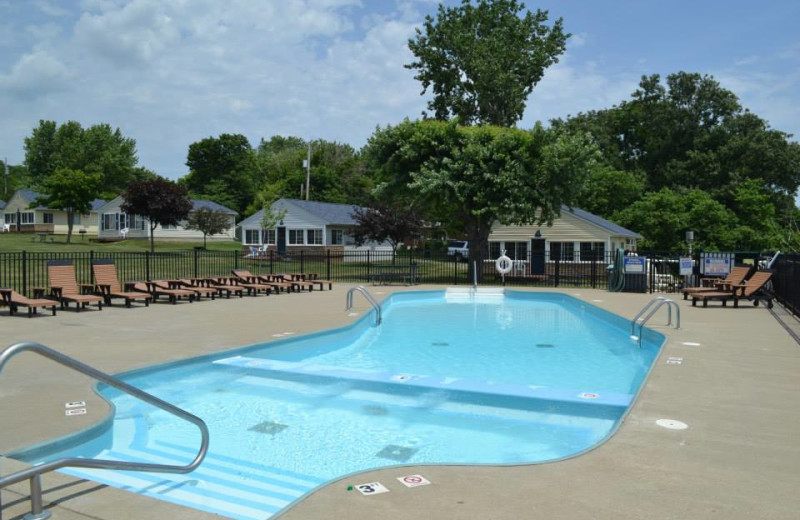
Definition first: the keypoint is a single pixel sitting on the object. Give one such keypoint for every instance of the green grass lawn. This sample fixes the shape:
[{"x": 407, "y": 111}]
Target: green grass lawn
[{"x": 31, "y": 243}]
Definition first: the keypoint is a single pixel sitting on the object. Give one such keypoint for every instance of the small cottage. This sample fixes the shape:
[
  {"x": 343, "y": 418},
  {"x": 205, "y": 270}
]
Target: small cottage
[
  {"x": 114, "y": 223},
  {"x": 22, "y": 215},
  {"x": 305, "y": 225}
]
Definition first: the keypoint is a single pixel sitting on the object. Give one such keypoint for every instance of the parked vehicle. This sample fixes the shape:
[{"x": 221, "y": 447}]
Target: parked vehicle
[{"x": 459, "y": 249}]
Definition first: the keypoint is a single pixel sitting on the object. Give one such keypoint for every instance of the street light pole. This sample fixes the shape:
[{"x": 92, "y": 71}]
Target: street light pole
[{"x": 308, "y": 170}]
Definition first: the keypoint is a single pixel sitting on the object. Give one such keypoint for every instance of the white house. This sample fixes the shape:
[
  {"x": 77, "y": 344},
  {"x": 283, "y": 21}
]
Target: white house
[
  {"x": 114, "y": 223},
  {"x": 306, "y": 225},
  {"x": 21, "y": 215},
  {"x": 575, "y": 236}
]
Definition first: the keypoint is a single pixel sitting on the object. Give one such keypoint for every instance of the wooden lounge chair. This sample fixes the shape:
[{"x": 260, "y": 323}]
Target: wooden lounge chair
[
  {"x": 315, "y": 279},
  {"x": 107, "y": 284},
  {"x": 735, "y": 277},
  {"x": 14, "y": 300},
  {"x": 253, "y": 289},
  {"x": 753, "y": 289},
  {"x": 64, "y": 287},
  {"x": 248, "y": 277},
  {"x": 199, "y": 290},
  {"x": 295, "y": 279},
  {"x": 156, "y": 292},
  {"x": 171, "y": 289},
  {"x": 222, "y": 285}
]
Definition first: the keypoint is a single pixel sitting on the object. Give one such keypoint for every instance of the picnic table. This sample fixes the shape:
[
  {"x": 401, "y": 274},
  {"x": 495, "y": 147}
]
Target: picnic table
[{"x": 387, "y": 273}]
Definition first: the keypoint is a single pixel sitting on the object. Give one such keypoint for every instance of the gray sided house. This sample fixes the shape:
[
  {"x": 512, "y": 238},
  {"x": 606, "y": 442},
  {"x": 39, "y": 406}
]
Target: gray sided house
[
  {"x": 575, "y": 236},
  {"x": 306, "y": 225},
  {"x": 23, "y": 216},
  {"x": 114, "y": 224}
]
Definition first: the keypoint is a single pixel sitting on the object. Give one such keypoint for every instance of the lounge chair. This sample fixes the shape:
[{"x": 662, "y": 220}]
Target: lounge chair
[
  {"x": 64, "y": 287},
  {"x": 735, "y": 277},
  {"x": 253, "y": 288},
  {"x": 315, "y": 279},
  {"x": 753, "y": 289},
  {"x": 173, "y": 295},
  {"x": 222, "y": 285},
  {"x": 192, "y": 285},
  {"x": 14, "y": 300},
  {"x": 105, "y": 279},
  {"x": 295, "y": 279},
  {"x": 248, "y": 277}
]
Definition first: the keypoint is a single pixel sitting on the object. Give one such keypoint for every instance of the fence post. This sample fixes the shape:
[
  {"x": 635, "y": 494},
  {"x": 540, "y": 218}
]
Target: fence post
[
  {"x": 147, "y": 265},
  {"x": 235, "y": 259},
  {"x": 557, "y": 274},
  {"x": 196, "y": 252},
  {"x": 594, "y": 269},
  {"x": 271, "y": 261},
  {"x": 328, "y": 264},
  {"x": 302, "y": 262},
  {"x": 24, "y": 272}
]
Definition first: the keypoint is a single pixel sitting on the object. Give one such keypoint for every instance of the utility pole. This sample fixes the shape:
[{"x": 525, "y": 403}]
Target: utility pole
[
  {"x": 308, "y": 170},
  {"x": 5, "y": 177}
]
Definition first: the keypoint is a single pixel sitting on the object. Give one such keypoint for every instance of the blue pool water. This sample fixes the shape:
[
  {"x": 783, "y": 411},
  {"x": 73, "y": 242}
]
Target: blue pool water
[{"x": 446, "y": 378}]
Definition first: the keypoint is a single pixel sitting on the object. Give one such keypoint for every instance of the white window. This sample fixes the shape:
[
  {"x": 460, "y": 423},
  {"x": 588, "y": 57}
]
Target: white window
[
  {"x": 269, "y": 236},
  {"x": 337, "y": 237},
  {"x": 251, "y": 237},
  {"x": 296, "y": 237},
  {"x": 110, "y": 221},
  {"x": 11, "y": 218},
  {"x": 76, "y": 218},
  {"x": 314, "y": 237},
  {"x": 28, "y": 217},
  {"x": 47, "y": 218}
]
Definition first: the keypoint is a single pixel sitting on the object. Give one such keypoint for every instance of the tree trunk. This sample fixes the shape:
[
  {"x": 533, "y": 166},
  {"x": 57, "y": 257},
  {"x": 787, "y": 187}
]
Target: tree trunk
[
  {"x": 205, "y": 246},
  {"x": 152, "y": 239},
  {"x": 477, "y": 229},
  {"x": 70, "y": 215}
]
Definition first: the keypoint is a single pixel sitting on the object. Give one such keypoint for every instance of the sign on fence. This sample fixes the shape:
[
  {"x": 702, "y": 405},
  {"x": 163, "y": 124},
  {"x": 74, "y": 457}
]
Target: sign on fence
[
  {"x": 716, "y": 264},
  {"x": 633, "y": 264},
  {"x": 687, "y": 266}
]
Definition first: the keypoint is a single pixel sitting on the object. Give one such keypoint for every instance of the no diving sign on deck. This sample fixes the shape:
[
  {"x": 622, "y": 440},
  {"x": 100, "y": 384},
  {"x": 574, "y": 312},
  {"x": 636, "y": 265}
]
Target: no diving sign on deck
[{"x": 413, "y": 480}]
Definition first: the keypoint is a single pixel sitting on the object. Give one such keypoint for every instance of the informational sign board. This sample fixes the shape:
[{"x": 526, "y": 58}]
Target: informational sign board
[
  {"x": 687, "y": 266},
  {"x": 716, "y": 266},
  {"x": 633, "y": 264}
]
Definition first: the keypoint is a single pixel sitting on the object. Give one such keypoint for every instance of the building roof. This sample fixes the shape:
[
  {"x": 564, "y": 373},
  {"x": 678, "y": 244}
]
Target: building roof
[
  {"x": 213, "y": 206},
  {"x": 332, "y": 213},
  {"x": 601, "y": 222},
  {"x": 31, "y": 196}
]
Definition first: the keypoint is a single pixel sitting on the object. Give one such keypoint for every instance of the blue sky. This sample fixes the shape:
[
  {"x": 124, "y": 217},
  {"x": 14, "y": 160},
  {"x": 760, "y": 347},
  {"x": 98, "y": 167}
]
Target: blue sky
[{"x": 171, "y": 72}]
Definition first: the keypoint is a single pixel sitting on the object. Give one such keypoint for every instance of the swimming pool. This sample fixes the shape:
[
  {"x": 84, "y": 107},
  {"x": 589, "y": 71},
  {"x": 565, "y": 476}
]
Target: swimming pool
[{"x": 448, "y": 377}]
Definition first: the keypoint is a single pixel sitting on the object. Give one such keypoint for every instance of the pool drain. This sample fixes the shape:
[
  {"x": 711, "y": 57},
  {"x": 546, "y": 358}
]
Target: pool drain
[
  {"x": 545, "y": 345},
  {"x": 440, "y": 344}
]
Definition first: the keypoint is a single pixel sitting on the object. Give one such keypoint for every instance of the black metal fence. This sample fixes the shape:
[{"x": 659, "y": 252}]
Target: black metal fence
[
  {"x": 786, "y": 281},
  {"x": 23, "y": 271}
]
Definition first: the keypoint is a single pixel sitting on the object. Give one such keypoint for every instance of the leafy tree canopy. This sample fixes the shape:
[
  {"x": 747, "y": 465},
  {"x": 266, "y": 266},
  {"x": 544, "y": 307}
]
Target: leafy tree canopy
[
  {"x": 208, "y": 221},
  {"x": 475, "y": 176},
  {"x": 97, "y": 149},
  {"x": 72, "y": 191},
  {"x": 159, "y": 200},
  {"x": 483, "y": 60},
  {"x": 16, "y": 179},
  {"x": 222, "y": 169},
  {"x": 386, "y": 222},
  {"x": 691, "y": 134}
]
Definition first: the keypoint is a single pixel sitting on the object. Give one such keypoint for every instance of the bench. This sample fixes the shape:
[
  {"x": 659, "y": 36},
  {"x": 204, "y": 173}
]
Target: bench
[{"x": 391, "y": 273}]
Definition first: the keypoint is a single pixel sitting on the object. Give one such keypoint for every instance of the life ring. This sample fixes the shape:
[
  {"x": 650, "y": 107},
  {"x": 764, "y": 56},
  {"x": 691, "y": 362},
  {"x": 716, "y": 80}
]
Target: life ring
[{"x": 503, "y": 265}]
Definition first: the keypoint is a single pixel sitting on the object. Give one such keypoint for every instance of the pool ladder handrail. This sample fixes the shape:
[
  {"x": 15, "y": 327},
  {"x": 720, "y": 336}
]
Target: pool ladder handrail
[
  {"x": 363, "y": 290},
  {"x": 656, "y": 303},
  {"x": 34, "y": 473}
]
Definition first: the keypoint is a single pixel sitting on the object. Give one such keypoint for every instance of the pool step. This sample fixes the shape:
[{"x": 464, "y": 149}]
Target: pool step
[{"x": 223, "y": 485}]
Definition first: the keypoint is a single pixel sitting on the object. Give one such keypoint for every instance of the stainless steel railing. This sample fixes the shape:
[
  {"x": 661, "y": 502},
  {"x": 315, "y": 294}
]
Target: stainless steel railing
[
  {"x": 34, "y": 473},
  {"x": 370, "y": 299}
]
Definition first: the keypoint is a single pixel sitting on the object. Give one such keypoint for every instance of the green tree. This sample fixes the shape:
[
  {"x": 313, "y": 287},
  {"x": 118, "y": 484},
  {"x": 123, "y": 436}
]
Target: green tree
[
  {"x": 222, "y": 169},
  {"x": 482, "y": 61},
  {"x": 97, "y": 149},
  {"x": 386, "y": 222},
  {"x": 72, "y": 191},
  {"x": 607, "y": 190},
  {"x": 476, "y": 176},
  {"x": 15, "y": 177},
  {"x": 208, "y": 221},
  {"x": 159, "y": 200}
]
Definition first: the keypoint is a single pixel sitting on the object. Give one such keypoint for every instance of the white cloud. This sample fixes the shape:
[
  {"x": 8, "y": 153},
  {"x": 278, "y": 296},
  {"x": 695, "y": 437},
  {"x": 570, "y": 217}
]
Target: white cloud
[
  {"x": 50, "y": 9},
  {"x": 35, "y": 75}
]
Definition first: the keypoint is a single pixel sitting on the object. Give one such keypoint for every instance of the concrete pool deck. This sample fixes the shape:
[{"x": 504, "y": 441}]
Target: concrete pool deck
[{"x": 737, "y": 387}]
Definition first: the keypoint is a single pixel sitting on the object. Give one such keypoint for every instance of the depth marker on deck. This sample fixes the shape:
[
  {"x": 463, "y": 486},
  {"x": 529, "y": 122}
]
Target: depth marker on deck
[{"x": 372, "y": 488}]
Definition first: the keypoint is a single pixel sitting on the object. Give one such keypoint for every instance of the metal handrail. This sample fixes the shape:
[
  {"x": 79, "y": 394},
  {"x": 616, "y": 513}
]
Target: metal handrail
[
  {"x": 34, "y": 473},
  {"x": 363, "y": 290},
  {"x": 656, "y": 303}
]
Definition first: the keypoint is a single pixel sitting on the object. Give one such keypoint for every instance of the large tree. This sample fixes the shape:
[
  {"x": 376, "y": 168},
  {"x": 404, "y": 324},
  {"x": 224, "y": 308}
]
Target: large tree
[
  {"x": 383, "y": 221},
  {"x": 97, "y": 149},
  {"x": 690, "y": 133},
  {"x": 476, "y": 176},
  {"x": 222, "y": 169},
  {"x": 159, "y": 200},
  {"x": 72, "y": 191},
  {"x": 483, "y": 60}
]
